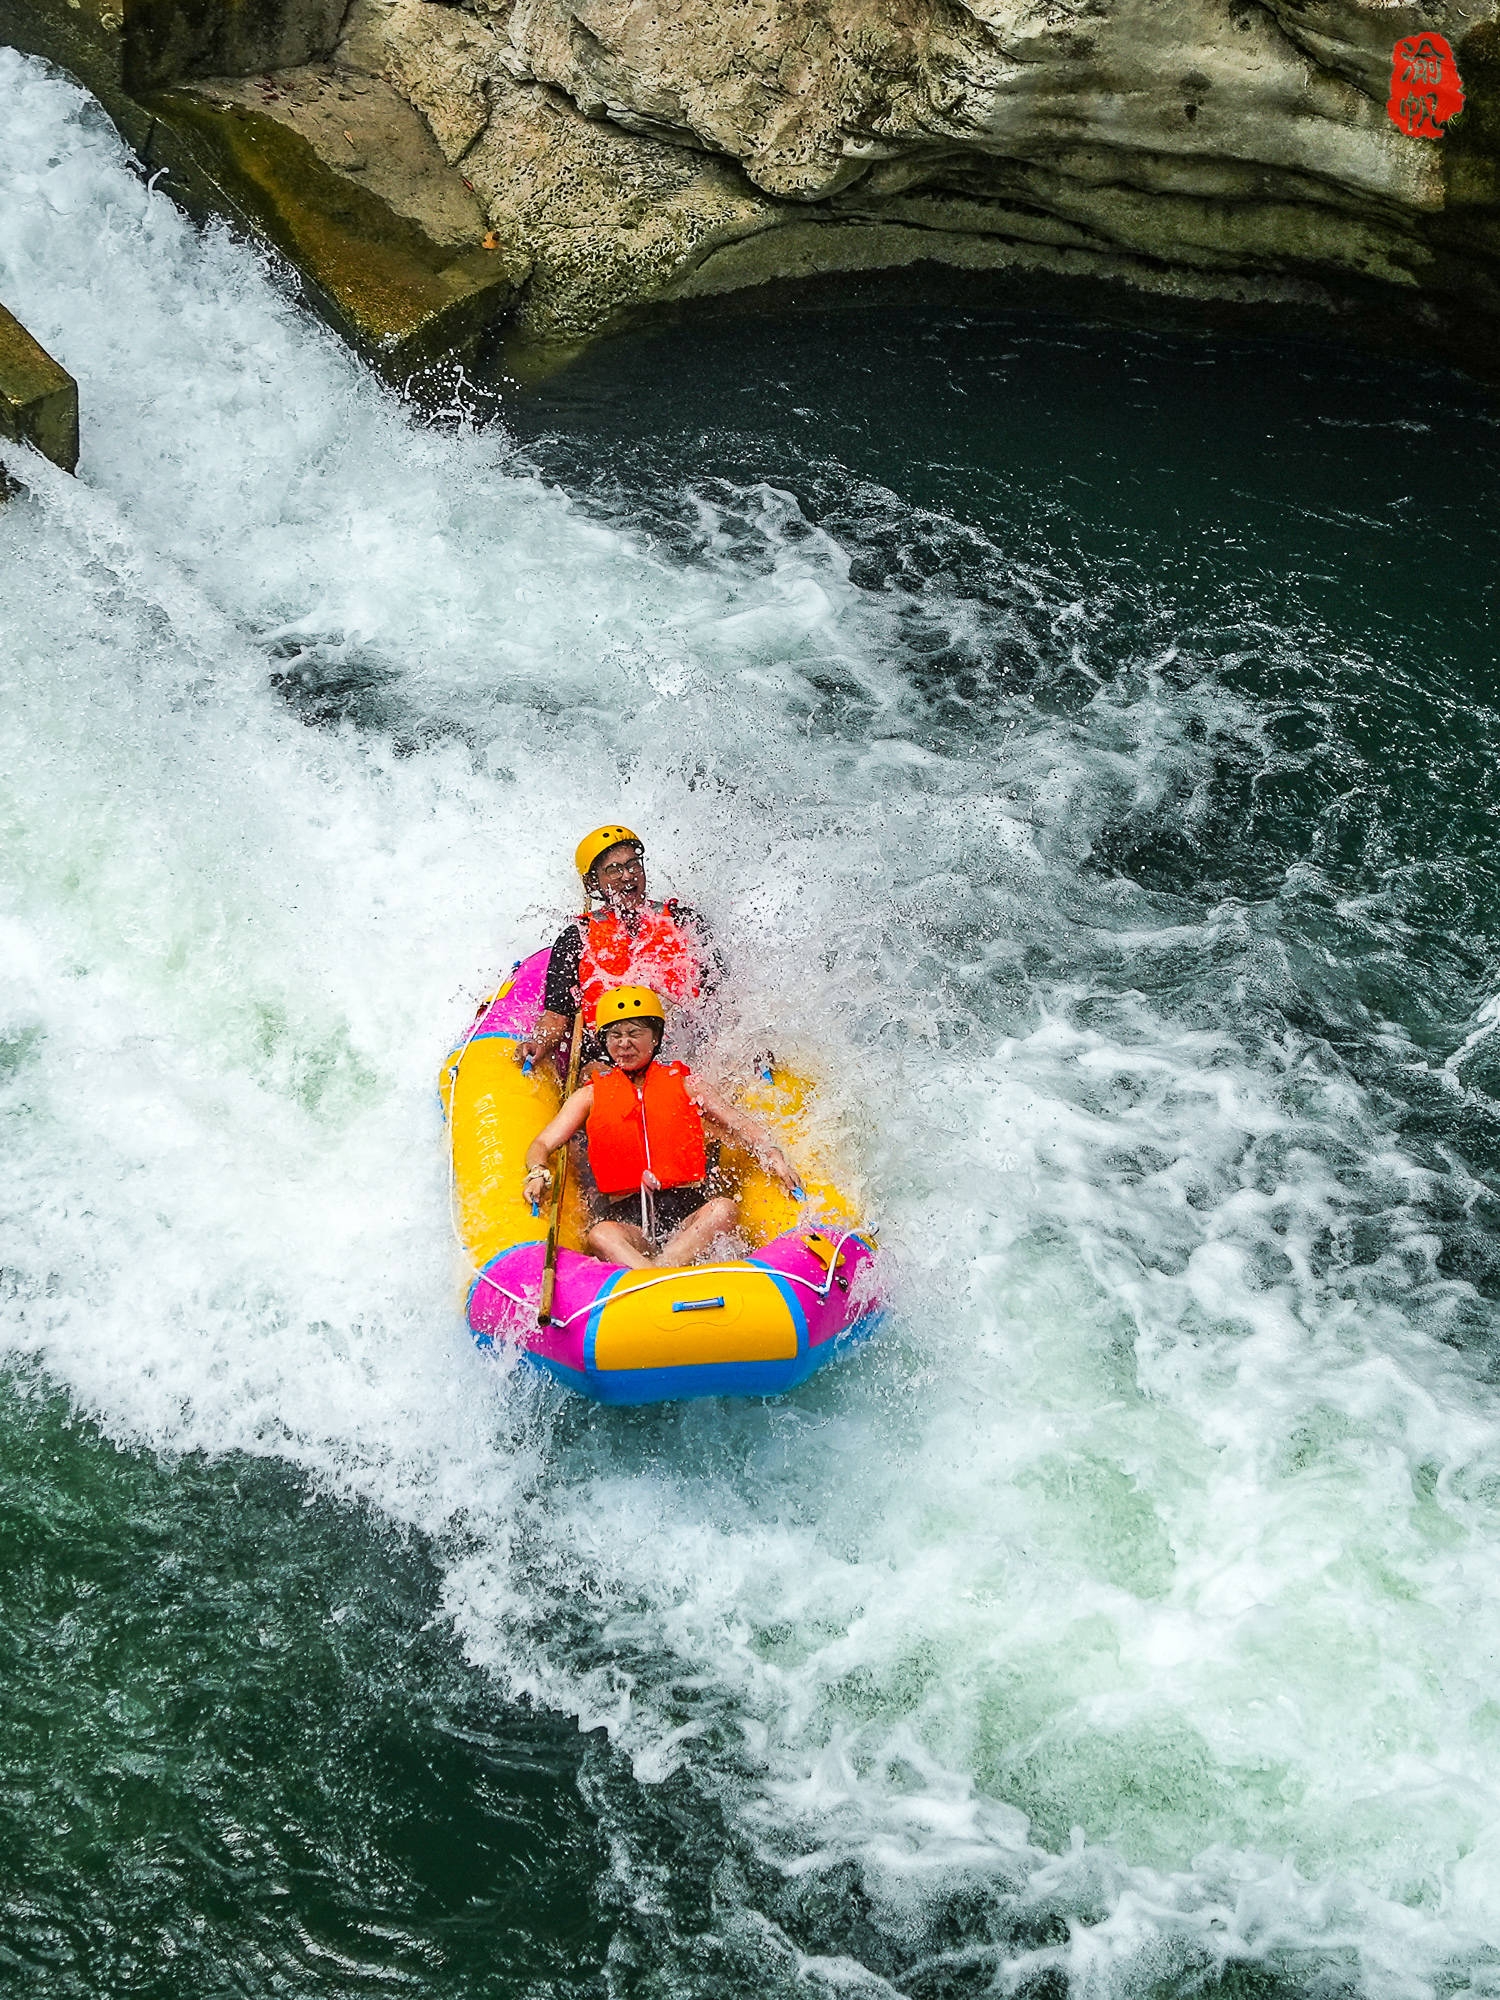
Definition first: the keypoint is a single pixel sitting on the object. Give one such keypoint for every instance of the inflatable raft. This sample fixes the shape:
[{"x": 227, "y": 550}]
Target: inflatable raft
[{"x": 753, "y": 1326}]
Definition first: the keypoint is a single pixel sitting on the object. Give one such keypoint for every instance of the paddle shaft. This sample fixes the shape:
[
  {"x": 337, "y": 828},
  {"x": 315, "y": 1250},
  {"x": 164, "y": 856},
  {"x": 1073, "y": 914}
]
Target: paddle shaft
[{"x": 549, "y": 1265}]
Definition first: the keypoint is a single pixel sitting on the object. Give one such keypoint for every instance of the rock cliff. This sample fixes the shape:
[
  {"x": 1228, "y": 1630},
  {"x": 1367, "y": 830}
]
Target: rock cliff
[{"x": 563, "y": 165}]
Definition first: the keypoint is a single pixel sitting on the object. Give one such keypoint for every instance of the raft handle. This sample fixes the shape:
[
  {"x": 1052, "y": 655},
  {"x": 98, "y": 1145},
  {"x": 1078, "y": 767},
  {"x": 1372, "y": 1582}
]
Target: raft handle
[{"x": 695, "y": 1305}]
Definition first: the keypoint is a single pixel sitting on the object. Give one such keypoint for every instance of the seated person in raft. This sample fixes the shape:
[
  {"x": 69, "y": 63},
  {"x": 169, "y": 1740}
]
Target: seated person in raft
[
  {"x": 644, "y": 1124},
  {"x": 621, "y": 937}
]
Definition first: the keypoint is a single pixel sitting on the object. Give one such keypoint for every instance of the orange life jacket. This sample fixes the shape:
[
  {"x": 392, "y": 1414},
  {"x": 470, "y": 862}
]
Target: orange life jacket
[
  {"x": 659, "y": 954},
  {"x": 645, "y": 1121}
]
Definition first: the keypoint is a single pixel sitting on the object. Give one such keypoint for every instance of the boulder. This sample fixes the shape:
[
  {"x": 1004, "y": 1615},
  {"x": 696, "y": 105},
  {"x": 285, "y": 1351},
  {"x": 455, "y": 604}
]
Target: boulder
[
  {"x": 344, "y": 177},
  {"x": 38, "y": 399},
  {"x": 244, "y": 107}
]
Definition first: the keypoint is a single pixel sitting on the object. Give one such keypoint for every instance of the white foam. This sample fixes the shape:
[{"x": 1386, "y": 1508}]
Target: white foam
[{"x": 1156, "y": 1513}]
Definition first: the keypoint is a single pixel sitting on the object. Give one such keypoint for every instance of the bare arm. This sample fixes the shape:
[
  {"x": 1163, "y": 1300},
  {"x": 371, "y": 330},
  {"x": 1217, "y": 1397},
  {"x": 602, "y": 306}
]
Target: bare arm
[
  {"x": 569, "y": 1120},
  {"x": 733, "y": 1124}
]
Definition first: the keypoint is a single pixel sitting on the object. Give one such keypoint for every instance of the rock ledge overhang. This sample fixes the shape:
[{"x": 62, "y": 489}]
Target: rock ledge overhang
[{"x": 437, "y": 168}]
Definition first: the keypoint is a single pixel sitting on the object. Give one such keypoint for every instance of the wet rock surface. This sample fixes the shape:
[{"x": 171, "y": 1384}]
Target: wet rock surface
[
  {"x": 346, "y": 179},
  {"x": 563, "y": 165},
  {"x": 335, "y": 169},
  {"x": 38, "y": 397}
]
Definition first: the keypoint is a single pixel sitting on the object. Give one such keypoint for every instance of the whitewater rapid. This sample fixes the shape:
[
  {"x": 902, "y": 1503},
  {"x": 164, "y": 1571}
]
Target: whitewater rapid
[{"x": 1142, "y": 1574}]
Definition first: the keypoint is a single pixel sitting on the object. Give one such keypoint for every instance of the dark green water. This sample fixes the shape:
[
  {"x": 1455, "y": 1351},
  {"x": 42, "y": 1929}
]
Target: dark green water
[
  {"x": 1308, "y": 534},
  {"x": 1108, "y": 720},
  {"x": 238, "y": 1756},
  {"x": 242, "y": 1754}
]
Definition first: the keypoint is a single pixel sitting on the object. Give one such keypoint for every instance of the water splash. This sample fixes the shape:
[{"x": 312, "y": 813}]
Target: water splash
[{"x": 1126, "y": 1610}]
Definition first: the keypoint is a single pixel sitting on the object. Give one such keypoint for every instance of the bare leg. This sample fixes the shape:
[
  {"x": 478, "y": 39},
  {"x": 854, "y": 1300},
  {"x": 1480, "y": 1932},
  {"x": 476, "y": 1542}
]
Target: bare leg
[
  {"x": 620, "y": 1243},
  {"x": 691, "y": 1238}
]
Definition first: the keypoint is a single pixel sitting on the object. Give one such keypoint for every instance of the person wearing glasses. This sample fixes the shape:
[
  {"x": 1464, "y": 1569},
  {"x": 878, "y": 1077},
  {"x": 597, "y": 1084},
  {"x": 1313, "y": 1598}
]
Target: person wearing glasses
[{"x": 621, "y": 937}]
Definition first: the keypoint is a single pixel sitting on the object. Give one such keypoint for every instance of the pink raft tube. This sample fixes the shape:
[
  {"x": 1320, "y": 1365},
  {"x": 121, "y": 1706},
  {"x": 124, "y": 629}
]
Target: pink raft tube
[{"x": 751, "y": 1326}]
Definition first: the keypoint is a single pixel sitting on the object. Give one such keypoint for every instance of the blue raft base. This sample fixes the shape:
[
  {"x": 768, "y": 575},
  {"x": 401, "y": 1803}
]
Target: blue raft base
[{"x": 621, "y": 1386}]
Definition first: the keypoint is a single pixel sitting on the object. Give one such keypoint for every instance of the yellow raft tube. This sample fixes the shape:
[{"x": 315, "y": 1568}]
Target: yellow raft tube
[{"x": 751, "y": 1326}]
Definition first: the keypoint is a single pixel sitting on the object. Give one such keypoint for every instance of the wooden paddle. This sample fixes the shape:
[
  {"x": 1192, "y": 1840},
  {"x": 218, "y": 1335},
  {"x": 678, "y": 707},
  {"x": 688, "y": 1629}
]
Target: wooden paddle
[{"x": 549, "y": 1266}]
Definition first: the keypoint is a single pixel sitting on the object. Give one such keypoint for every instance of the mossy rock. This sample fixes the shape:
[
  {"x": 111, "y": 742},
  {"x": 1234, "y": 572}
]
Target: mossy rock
[
  {"x": 399, "y": 295},
  {"x": 38, "y": 398}
]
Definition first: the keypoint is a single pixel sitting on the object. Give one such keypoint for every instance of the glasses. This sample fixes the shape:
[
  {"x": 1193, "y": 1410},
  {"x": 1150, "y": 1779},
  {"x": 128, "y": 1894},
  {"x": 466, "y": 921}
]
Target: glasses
[{"x": 632, "y": 864}]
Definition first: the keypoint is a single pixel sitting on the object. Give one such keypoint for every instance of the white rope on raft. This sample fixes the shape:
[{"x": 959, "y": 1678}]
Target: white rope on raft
[{"x": 819, "y": 1292}]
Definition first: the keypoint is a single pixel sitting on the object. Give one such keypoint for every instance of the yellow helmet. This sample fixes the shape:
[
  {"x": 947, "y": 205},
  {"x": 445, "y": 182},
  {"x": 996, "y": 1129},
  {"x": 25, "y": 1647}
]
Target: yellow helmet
[
  {"x": 627, "y": 1003},
  {"x": 599, "y": 842}
]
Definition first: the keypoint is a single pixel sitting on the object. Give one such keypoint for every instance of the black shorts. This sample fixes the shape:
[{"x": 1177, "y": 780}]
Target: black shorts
[{"x": 672, "y": 1207}]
